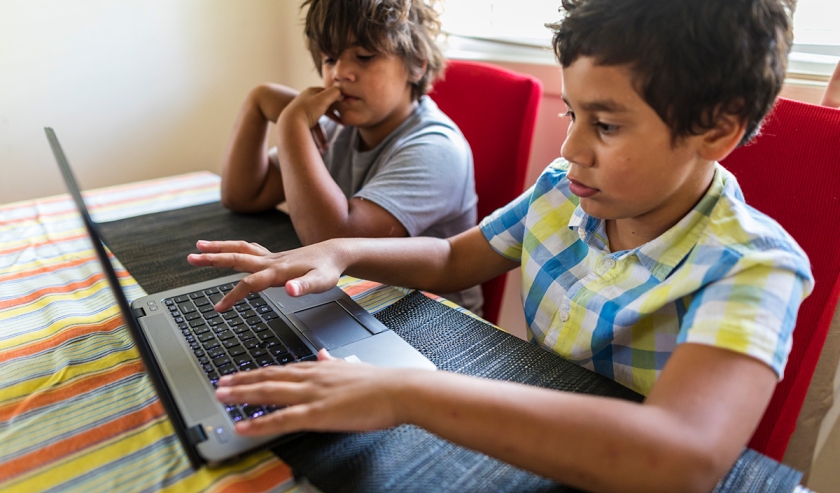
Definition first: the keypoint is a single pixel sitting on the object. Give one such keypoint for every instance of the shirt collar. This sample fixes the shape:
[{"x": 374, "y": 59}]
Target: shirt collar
[{"x": 663, "y": 254}]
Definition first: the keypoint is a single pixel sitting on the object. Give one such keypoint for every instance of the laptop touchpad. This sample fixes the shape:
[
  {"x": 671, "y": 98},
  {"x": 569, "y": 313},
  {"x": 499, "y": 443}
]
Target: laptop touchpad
[{"x": 331, "y": 325}]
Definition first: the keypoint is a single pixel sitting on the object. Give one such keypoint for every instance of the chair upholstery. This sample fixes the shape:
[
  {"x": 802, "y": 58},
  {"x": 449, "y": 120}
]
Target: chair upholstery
[
  {"x": 791, "y": 172},
  {"x": 496, "y": 109}
]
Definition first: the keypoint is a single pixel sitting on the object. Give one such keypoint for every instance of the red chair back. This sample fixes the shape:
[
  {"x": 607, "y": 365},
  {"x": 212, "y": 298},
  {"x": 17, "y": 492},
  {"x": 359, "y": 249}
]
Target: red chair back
[
  {"x": 791, "y": 172},
  {"x": 496, "y": 109}
]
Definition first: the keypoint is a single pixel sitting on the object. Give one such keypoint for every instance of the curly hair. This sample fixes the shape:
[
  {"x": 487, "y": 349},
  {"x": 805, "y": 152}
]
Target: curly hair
[
  {"x": 406, "y": 28},
  {"x": 692, "y": 60}
]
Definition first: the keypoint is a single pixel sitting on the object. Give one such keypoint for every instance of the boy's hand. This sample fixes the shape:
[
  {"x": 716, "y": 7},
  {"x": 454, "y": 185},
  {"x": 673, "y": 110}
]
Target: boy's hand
[
  {"x": 313, "y": 103},
  {"x": 312, "y": 269},
  {"x": 329, "y": 395}
]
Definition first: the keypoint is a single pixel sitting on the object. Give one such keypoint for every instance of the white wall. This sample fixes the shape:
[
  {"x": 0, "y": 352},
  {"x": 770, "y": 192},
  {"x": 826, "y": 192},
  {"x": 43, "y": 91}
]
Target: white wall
[{"x": 135, "y": 89}]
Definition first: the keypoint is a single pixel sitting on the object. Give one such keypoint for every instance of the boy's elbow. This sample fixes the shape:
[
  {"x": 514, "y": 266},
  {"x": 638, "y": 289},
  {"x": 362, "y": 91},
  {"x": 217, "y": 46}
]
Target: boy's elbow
[{"x": 697, "y": 469}]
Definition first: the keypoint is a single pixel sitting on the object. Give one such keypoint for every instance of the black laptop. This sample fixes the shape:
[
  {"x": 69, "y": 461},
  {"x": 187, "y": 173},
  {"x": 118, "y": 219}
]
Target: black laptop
[{"x": 187, "y": 346}]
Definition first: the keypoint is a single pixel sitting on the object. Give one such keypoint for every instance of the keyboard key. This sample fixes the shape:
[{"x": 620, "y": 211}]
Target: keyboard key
[
  {"x": 236, "y": 350},
  {"x": 228, "y": 370},
  {"x": 187, "y": 307},
  {"x": 193, "y": 316},
  {"x": 222, "y": 361},
  {"x": 211, "y": 344},
  {"x": 201, "y": 301},
  {"x": 284, "y": 358},
  {"x": 206, "y": 308},
  {"x": 241, "y": 360},
  {"x": 235, "y": 321},
  {"x": 253, "y": 411},
  {"x": 265, "y": 360},
  {"x": 210, "y": 291},
  {"x": 181, "y": 299},
  {"x": 216, "y": 353},
  {"x": 231, "y": 343},
  {"x": 196, "y": 295}
]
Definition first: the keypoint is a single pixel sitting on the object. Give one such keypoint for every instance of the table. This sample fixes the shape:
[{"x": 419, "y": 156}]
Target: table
[{"x": 77, "y": 413}]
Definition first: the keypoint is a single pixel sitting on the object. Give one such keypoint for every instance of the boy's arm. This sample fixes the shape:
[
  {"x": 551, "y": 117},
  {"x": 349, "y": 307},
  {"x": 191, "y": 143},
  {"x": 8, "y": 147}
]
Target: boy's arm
[
  {"x": 426, "y": 263},
  {"x": 684, "y": 437},
  {"x": 317, "y": 206},
  {"x": 249, "y": 182}
]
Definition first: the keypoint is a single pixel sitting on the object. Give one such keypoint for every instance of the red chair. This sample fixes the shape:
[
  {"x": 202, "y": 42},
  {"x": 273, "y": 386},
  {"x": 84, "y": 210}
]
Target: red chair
[
  {"x": 792, "y": 173},
  {"x": 496, "y": 110}
]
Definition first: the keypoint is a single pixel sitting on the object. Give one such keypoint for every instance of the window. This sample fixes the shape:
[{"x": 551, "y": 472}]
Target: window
[{"x": 514, "y": 30}]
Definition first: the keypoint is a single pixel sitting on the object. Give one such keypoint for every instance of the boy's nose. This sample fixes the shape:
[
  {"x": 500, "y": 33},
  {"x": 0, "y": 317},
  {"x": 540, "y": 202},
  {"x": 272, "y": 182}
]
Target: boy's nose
[
  {"x": 575, "y": 148},
  {"x": 343, "y": 71}
]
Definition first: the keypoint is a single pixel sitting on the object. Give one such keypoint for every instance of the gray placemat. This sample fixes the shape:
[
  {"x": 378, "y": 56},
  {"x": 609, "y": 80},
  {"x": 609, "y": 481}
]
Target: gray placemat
[{"x": 154, "y": 247}]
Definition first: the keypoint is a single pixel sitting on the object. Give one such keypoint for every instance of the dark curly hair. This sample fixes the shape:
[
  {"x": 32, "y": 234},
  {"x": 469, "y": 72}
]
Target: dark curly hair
[
  {"x": 406, "y": 28},
  {"x": 692, "y": 60}
]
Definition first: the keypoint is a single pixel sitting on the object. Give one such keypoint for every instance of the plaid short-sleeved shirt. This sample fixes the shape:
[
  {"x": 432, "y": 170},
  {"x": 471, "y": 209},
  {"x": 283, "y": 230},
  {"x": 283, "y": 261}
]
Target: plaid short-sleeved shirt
[{"x": 726, "y": 275}]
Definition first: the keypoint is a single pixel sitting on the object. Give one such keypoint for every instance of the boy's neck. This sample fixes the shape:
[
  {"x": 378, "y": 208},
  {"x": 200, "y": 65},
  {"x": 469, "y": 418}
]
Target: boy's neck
[
  {"x": 633, "y": 232},
  {"x": 372, "y": 136}
]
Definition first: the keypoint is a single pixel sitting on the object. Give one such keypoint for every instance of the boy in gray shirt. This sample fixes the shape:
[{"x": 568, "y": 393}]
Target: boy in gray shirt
[{"x": 368, "y": 154}]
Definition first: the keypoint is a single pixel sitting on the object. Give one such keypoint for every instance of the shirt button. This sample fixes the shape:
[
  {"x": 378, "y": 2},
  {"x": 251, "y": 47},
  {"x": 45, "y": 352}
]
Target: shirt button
[
  {"x": 564, "y": 316},
  {"x": 609, "y": 263}
]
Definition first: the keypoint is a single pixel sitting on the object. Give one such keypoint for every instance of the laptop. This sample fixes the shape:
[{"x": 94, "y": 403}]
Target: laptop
[{"x": 187, "y": 346}]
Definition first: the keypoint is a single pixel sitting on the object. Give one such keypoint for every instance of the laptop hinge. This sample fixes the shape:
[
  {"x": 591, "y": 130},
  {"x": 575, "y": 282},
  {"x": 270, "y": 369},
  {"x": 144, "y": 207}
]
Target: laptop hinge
[
  {"x": 196, "y": 435},
  {"x": 138, "y": 312}
]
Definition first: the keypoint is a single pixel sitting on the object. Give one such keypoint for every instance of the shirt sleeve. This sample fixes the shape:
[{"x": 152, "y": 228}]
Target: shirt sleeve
[
  {"x": 504, "y": 229},
  {"x": 426, "y": 181},
  {"x": 751, "y": 310}
]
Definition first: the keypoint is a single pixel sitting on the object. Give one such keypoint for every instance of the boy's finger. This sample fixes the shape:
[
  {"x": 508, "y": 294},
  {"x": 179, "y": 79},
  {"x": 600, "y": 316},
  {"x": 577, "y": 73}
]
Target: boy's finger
[
  {"x": 256, "y": 282},
  {"x": 242, "y": 262},
  {"x": 231, "y": 247}
]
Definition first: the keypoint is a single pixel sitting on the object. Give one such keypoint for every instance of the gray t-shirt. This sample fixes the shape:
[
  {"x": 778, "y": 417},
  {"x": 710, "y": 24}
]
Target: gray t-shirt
[{"x": 422, "y": 174}]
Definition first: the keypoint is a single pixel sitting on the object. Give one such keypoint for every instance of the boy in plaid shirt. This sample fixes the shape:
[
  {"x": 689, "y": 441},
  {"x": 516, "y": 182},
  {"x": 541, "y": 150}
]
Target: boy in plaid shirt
[{"x": 640, "y": 260}]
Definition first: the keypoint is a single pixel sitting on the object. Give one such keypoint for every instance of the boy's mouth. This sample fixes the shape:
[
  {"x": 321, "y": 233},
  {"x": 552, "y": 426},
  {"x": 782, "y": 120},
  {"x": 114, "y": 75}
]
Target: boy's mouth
[
  {"x": 346, "y": 98},
  {"x": 581, "y": 190}
]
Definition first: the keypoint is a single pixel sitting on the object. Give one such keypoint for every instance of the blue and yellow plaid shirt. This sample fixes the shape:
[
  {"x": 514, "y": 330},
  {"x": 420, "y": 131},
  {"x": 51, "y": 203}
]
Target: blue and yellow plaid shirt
[{"x": 726, "y": 275}]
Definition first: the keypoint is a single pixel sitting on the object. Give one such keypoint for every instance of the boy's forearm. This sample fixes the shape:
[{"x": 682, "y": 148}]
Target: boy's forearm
[
  {"x": 568, "y": 437},
  {"x": 419, "y": 263},
  {"x": 318, "y": 208},
  {"x": 249, "y": 183}
]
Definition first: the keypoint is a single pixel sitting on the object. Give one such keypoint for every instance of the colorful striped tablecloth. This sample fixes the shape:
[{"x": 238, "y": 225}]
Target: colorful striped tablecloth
[{"x": 77, "y": 412}]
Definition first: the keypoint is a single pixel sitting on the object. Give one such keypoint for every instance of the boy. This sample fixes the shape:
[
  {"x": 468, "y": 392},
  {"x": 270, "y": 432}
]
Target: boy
[
  {"x": 640, "y": 260},
  {"x": 368, "y": 154}
]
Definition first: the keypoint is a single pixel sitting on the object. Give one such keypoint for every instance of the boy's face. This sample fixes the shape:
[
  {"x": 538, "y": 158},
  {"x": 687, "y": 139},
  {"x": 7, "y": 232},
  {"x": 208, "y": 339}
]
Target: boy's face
[
  {"x": 375, "y": 88},
  {"x": 624, "y": 165}
]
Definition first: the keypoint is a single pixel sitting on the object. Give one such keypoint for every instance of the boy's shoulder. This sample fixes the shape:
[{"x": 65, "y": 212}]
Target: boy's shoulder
[{"x": 744, "y": 230}]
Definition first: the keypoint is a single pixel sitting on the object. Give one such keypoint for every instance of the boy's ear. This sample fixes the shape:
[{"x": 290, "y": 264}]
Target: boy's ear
[
  {"x": 417, "y": 72},
  {"x": 718, "y": 142}
]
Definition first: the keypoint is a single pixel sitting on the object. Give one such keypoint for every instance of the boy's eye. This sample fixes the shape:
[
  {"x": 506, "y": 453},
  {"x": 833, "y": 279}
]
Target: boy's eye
[
  {"x": 365, "y": 58},
  {"x": 328, "y": 61},
  {"x": 605, "y": 128},
  {"x": 568, "y": 113}
]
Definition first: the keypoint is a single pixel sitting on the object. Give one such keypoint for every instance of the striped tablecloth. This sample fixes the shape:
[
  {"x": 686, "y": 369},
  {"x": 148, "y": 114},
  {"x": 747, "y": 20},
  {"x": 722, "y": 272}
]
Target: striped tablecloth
[{"x": 77, "y": 412}]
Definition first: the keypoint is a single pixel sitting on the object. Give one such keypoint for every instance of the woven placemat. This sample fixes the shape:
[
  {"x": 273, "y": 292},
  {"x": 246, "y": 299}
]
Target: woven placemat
[{"x": 154, "y": 247}]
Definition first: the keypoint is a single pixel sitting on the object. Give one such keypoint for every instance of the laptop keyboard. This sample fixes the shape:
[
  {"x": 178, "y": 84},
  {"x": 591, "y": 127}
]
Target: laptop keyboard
[{"x": 248, "y": 336}]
